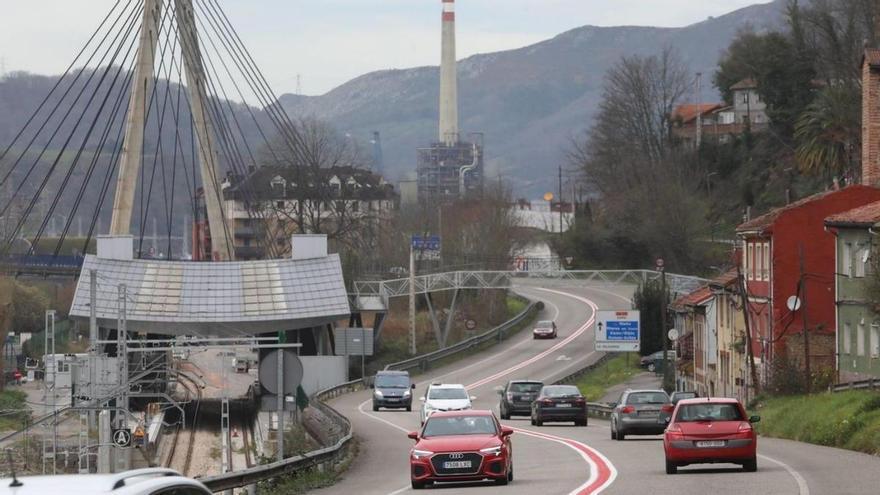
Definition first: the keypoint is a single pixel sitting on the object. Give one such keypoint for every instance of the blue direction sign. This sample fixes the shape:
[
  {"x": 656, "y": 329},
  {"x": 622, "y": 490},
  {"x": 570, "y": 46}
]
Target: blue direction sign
[
  {"x": 426, "y": 243},
  {"x": 617, "y": 331}
]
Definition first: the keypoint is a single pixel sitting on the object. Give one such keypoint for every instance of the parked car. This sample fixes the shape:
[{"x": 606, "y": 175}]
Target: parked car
[
  {"x": 461, "y": 446},
  {"x": 710, "y": 431},
  {"x": 150, "y": 481},
  {"x": 445, "y": 397},
  {"x": 649, "y": 362},
  {"x": 640, "y": 412},
  {"x": 393, "y": 390},
  {"x": 545, "y": 329},
  {"x": 559, "y": 403},
  {"x": 517, "y": 397},
  {"x": 677, "y": 396}
]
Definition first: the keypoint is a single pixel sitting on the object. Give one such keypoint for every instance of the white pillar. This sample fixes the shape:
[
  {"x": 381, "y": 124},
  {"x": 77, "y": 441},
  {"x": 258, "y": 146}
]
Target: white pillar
[{"x": 448, "y": 78}]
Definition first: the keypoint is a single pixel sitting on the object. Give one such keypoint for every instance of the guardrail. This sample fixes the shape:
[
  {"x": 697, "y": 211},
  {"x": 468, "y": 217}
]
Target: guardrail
[
  {"x": 595, "y": 409},
  {"x": 320, "y": 459},
  {"x": 869, "y": 384},
  {"x": 424, "y": 361}
]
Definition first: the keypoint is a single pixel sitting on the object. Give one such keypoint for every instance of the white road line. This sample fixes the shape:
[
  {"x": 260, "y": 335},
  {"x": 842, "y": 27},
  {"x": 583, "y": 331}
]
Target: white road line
[
  {"x": 803, "y": 488},
  {"x": 377, "y": 418}
]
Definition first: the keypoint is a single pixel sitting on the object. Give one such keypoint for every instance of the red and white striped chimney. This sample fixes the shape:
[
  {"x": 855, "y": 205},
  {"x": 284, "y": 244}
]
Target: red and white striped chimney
[{"x": 448, "y": 78}]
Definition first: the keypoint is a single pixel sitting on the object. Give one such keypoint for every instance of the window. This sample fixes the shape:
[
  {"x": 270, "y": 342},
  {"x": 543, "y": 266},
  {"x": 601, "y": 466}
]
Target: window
[
  {"x": 861, "y": 260},
  {"x": 766, "y": 262},
  {"x": 860, "y": 339},
  {"x": 750, "y": 261},
  {"x": 847, "y": 338},
  {"x": 875, "y": 340},
  {"x": 846, "y": 260}
]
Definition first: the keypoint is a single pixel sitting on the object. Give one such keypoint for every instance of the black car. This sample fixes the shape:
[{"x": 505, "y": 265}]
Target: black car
[
  {"x": 559, "y": 403},
  {"x": 517, "y": 397},
  {"x": 677, "y": 396},
  {"x": 392, "y": 390}
]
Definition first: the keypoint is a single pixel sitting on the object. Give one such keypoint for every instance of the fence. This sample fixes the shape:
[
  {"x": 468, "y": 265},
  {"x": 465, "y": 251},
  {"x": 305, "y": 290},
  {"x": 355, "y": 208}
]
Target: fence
[
  {"x": 597, "y": 409},
  {"x": 869, "y": 384}
]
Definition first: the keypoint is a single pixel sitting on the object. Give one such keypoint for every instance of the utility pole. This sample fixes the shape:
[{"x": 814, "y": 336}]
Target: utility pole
[
  {"x": 803, "y": 286},
  {"x": 750, "y": 356},
  {"x": 666, "y": 367},
  {"x": 560, "y": 200},
  {"x": 699, "y": 112},
  {"x": 412, "y": 300}
]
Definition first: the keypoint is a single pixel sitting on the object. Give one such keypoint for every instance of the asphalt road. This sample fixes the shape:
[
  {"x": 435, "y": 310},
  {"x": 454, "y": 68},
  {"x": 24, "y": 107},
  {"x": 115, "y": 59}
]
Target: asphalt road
[{"x": 579, "y": 460}]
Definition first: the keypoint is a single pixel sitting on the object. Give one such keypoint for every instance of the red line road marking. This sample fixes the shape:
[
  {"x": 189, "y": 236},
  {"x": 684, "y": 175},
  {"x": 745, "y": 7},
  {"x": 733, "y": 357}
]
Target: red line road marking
[{"x": 602, "y": 472}]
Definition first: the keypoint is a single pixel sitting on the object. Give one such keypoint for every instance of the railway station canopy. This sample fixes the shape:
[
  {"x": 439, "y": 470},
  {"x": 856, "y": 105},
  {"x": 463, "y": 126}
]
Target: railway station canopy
[{"x": 223, "y": 299}]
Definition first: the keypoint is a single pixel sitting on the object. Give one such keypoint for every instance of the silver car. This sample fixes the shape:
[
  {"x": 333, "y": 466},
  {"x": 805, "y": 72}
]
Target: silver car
[{"x": 640, "y": 412}]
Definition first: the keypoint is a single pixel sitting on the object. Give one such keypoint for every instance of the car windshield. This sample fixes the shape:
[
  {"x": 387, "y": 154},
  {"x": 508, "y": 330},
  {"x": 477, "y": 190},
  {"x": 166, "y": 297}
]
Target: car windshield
[
  {"x": 709, "y": 412},
  {"x": 647, "y": 398},
  {"x": 459, "y": 425},
  {"x": 545, "y": 324},
  {"x": 526, "y": 388},
  {"x": 561, "y": 391},
  {"x": 447, "y": 393},
  {"x": 392, "y": 381}
]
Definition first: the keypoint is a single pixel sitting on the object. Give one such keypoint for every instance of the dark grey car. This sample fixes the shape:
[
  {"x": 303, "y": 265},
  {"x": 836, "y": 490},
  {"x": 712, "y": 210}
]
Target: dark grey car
[
  {"x": 517, "y": 397},
  {"x": 640, "y": 412},
  {"x": 392, "y": 390}
]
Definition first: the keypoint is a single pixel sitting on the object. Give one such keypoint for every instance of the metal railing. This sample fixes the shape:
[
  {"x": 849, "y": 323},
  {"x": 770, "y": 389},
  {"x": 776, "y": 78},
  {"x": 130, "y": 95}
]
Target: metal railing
[
  {"x": 424, "y": 361},
  {"x": 595, "y": 409},
  {"x": 320, "y": 458},
  {"x": 868, "y": 384},
  {"x": 387, "y": 289}
]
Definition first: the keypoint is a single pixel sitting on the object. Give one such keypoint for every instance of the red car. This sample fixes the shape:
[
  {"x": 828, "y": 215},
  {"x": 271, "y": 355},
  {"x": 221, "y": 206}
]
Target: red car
[
  {"x": 545, "y": 329},
  {"x": 461, "y": 446},
  {"x": 710, "y": 431}
]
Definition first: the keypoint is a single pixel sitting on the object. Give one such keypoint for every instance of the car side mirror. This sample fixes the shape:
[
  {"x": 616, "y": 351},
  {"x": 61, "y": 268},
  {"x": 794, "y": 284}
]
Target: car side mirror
[
  {"x": 472, "y": 398},
  {"x": 754, "y": 419},
  {"x": 413, "y": 386},
  {"x": 422, "y": 399},
  {"x": 413, "y": 435},
  {"x": 372, "y": 385},
  {"x": 506, "y": 431}
]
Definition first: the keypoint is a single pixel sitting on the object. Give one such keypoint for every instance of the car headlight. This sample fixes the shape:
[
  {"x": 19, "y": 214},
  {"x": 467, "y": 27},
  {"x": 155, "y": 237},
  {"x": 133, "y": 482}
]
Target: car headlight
[
  {"x": 491, "y": 450},
  {"x": 421, "y": 454},
  {"x": 428, "y": 406},
  {"x": 378, "y": 394},
  {"x": 406, "y": 393}
]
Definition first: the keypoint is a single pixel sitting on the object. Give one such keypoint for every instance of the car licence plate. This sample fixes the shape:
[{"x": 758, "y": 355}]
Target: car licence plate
[
  {"x": 710, "y": 443},
  {"x": 564, "y": 404},
  {"x": 457, "y": 464},
  {"x": 649, "y": 413}
]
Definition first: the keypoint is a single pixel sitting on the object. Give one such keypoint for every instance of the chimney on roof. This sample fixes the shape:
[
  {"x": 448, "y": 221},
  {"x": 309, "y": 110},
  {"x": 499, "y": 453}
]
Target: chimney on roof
[
  {"x": 448, "y": 78},
  {"x": 871, "y": 113}
]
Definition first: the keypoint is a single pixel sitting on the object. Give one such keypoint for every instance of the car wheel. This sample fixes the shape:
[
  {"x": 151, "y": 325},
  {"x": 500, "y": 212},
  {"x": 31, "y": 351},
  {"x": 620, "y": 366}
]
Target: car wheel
[
  {"x": 581, "y": 422},
  {"x": 671, "y": 467},
  {"x": 417, "y": 485},
  {"x": 510, "y": 473},
  {"x": 533, "y": 421},
  {"x": 613, "y": 434},
  {"x": 652, "y": 367},
  {"x": 375, "y": 407},
  {"x": 408, "y": 408},
  {"x": 539, "y": 421},
  {"x": 502, "y": 481},
  {"x": 620, "y": 435},
  {"x": 751, "y": 465}
]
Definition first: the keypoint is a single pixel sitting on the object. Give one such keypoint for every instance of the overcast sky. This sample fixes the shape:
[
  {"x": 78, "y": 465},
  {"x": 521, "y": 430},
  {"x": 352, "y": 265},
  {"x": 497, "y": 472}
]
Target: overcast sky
[{"x": 329, "y": 42}]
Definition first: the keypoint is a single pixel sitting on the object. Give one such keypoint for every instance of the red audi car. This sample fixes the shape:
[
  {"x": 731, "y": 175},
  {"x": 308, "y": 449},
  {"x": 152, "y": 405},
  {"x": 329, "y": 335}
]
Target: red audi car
[
  {"x": 710, "y": 431},
  {"x": 461, "y": 446}
]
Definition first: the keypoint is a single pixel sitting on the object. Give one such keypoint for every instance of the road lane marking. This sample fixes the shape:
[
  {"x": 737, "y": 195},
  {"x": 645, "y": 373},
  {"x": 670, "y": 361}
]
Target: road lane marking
[
  {"x": 602, "y": 471},
  {"x": 803, "y": 488},
  {"x": 549, "y": 351},
  {"x": 377, "y": 418}
]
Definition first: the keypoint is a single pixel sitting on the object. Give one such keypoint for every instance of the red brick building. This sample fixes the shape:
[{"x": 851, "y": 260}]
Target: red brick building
[{"x": 774, "y": 246}]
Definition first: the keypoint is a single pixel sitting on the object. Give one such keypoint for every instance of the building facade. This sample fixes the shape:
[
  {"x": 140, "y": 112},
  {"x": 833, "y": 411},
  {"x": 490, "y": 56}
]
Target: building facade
[{"x": 858, "y": 323}]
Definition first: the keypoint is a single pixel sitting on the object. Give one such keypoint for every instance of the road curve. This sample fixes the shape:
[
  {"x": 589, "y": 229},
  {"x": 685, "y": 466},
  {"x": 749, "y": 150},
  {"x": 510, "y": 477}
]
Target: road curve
[{"x": 576, "y": 460}]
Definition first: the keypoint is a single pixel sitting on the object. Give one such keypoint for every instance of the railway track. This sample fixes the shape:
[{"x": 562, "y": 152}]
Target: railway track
[{"x": 195, "y": 396}]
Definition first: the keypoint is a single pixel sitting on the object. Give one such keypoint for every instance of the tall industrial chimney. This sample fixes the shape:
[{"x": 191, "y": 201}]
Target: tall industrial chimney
[{"x": 448, "y": 78}]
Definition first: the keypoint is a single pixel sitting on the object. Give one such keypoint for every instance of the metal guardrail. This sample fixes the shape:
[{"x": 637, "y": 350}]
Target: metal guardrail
[
  {"x": 424, "y": 361},
  {"x": 869, "y": 384},
  {"x": 327, "y": 455},
  {"x": 595, "y": 409}
]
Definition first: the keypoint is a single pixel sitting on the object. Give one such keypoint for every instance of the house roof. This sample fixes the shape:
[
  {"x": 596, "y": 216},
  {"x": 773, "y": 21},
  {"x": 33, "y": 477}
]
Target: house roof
[
  {"x": 691, "y": 299},
  {"x": 688, "y": 111},
  {"x": 747, "y": 83},
  {"x": 863, "y": 216},
  {"x": 726, "y": 279},
  {"x": 274, "y": 182},
  {"x": 761, "y": 223},
  {"x": 872, "y": 57}
]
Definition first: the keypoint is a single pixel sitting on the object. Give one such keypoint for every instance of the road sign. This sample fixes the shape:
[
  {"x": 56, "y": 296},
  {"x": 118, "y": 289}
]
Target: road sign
[
  {"x": 293, "y": 371},
  {"x": 353, "y": 341},
  {"x": 426, "y": 243},
  {"x": 617, "y": 331},
  {"x": 121, "y": 438},
  {"x": 470, "y": 324},
  {"x": 672, "y": 334}
]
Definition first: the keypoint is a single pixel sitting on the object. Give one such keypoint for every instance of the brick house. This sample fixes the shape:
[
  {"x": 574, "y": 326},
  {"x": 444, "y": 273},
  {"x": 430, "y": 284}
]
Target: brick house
[
  {"x": 774, "y": 247},
  {"x": 695, "y": 319}
]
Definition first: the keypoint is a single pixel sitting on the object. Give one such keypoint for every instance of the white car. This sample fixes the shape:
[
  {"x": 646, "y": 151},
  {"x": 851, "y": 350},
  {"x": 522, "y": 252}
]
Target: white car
[
  {"x": 444, "y": 397},
  {"x": 151, "y": 481}
]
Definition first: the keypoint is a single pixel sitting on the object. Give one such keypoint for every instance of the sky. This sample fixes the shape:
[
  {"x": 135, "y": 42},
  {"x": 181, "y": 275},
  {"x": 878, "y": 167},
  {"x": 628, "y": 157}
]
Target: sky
[{"x": 324, "y": 43}]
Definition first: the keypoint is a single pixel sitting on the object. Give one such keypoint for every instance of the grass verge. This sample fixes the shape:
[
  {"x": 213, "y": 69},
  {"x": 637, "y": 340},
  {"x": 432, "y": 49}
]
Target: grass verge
[
  {"x": 14, "y": 409},
  {"x": 612, "y": 372},
  {"x": 308, "y": 480},
  {"x": 848, "y": 420}
]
